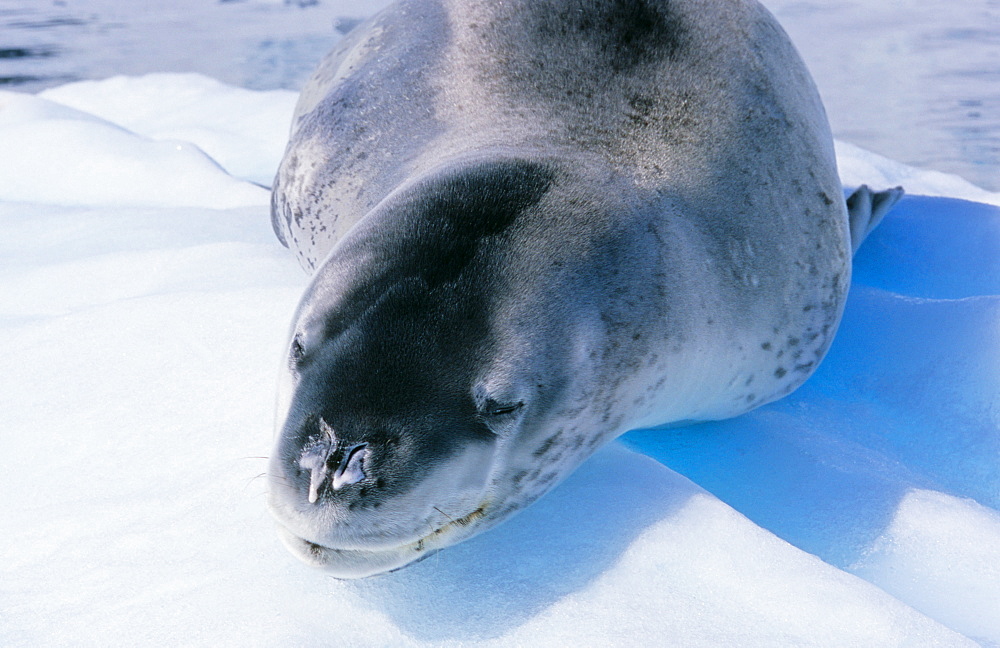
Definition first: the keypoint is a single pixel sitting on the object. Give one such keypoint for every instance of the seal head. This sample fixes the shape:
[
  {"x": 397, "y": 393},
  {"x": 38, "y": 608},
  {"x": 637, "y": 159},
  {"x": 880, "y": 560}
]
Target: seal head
[{"x": 402, "y": 403}]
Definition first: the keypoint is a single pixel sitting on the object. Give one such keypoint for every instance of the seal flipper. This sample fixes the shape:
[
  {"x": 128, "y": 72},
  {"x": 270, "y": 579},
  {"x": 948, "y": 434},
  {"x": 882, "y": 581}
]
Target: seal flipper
[{"x": 865, "y": 210}]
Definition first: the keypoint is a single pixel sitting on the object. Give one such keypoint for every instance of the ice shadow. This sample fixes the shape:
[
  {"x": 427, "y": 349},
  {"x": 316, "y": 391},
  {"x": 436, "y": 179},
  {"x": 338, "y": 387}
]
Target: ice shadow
[
  {"x": 905, "y": 399},
  {"x": 497, "y": 581},
  {"x": 788, "y": 470},
  {"x": 933, "y": 248}
]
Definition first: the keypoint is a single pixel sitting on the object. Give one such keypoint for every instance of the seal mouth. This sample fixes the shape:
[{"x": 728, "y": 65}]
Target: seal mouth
[{"x": 360, "y": 563}]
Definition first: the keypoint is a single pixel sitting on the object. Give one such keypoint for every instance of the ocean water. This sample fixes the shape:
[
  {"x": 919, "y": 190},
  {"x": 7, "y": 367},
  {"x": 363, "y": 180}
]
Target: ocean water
[{"x": 913, "y": 80}]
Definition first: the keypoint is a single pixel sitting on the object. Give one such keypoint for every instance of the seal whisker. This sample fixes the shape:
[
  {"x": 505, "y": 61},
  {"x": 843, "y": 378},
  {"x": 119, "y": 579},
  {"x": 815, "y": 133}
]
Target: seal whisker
[
  {"x": 250, "y": 482},
  {"x": 450, "y": 519}
]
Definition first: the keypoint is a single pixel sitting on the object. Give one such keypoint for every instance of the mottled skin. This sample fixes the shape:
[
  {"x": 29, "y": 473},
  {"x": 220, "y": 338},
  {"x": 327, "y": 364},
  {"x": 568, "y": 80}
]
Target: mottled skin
[{"x": 535, "y": 225}]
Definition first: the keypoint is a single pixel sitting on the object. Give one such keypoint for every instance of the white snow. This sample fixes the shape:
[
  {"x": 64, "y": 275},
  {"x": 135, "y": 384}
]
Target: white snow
[
  {"x": 247, "y": 142},
  {"x": 58, "y": 155},
  {"x": 941, "y": 555},
  {"x": 858, "y": 166},
  {"x": 144, "y": 304}
]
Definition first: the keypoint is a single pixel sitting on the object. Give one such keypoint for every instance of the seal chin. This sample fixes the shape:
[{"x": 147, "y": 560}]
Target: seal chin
[
  {"x": 361, "y": 563},
  {"x": 349, "y": 563}
]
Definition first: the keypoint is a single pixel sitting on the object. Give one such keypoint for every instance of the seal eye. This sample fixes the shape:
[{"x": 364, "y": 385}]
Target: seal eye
[
  {"x": 298, "y": 351},
  {"x": 495, "y": 409}
]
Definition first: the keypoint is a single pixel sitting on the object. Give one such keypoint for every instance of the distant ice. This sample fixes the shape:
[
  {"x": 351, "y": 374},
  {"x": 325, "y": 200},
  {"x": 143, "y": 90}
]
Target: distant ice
[{"x": 143, "y": 308}]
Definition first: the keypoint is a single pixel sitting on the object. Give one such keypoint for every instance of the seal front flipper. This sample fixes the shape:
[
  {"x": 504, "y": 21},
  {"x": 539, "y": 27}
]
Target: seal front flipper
[{"x": 865, "y": 210}]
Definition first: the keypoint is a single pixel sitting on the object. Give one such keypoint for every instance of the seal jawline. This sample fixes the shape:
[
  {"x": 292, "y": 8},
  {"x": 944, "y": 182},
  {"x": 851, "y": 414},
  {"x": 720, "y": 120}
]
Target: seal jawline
[{"x": 360, "y": 563}]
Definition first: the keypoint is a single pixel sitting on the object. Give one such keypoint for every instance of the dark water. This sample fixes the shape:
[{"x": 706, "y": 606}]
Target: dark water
[
  {"x": 257, "y": 44},
  {"x": 914, "y": 80}
]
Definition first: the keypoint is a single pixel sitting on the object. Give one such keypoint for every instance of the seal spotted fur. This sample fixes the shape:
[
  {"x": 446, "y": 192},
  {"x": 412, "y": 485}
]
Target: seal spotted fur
[{"x": 535, "y": 225}]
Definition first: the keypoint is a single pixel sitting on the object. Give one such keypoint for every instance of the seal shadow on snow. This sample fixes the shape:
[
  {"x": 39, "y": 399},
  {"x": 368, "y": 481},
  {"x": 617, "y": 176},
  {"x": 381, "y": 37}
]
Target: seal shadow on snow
[
  {"x": 497, "y": 581},
  {"x": 902, "y": 400},
  {"x": 934, "y": 248},
  {"x": 784, "y": 467}
]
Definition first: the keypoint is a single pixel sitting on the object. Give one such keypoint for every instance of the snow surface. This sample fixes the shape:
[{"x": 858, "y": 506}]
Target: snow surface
[{"x": 144, "y": 304}]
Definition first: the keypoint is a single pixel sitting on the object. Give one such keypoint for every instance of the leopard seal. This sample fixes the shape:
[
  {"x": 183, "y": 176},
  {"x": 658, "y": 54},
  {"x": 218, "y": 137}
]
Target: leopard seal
[{"x": 532, "y": 226}]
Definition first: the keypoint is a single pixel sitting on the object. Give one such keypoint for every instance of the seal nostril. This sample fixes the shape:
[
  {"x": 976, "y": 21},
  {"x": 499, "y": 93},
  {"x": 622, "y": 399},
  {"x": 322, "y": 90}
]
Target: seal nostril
[
  {"x": 351, "y": 469},
  {"x": 315, "y": 463},
  {"x": 315, "y": 458}
]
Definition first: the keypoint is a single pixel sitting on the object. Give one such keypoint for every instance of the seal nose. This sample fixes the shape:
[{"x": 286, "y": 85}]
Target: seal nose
[{"x": 316, "y": 456}]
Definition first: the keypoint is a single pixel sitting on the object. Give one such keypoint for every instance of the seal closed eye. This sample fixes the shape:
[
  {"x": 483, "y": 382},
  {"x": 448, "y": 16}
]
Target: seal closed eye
[{"x": 533, "y": 226}]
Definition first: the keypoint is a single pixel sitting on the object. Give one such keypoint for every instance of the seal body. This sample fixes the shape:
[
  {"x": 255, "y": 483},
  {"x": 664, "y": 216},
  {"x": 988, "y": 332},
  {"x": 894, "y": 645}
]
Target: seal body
[{"x": 533, "y": 226}]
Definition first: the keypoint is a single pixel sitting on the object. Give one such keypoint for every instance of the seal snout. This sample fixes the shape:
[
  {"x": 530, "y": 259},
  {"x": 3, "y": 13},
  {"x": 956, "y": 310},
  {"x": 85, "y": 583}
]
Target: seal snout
[{"x": 319, "y": 456}]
